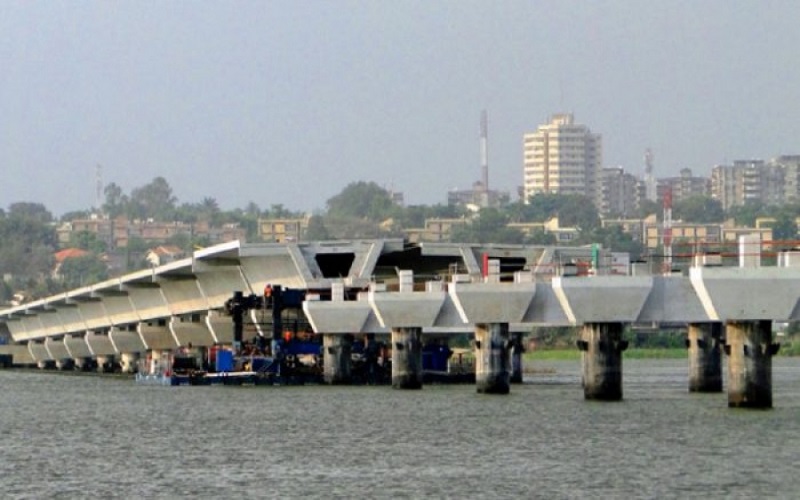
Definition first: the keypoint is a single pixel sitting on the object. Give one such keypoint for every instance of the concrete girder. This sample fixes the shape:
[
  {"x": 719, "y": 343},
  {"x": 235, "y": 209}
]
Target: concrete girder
[
  {"x": 602, "y": 299},
  {"x": 16, "y": 328},
  {"x": 56, "y": 349},
  {"x": 365, "y": 261},
  {"x": 100, "y": 343},
  {"x": 220, "y": 326},
  {"x": 545, "y": 308},
  {"x": 218, "y": 280},
  {"x": 38, "y": 351},
  {"x": 407, "y": 309},
  {"x": 480, "y": 303},
  {"x": 32, "y": 325},
  {"x": 94, "y": 314},
  {"x": 672, "y": 299},
  {"x": 118, "y": 308},
  {"x": 183, "y": 295},
  {"x": 277, "y": 267},
  {"x": 745, "y": 294},
  {"x": 77, "y": 347},
  {"x": 126, "y": 339},
  {"x": 191, "y": 330},
  {"x": 156, "y": 334},
  {"x": 71, "y": 319},
  {"x": 148, "y": 301},
  {"x": 51, "y": 322},
  {"x": 338, "y": 316}
]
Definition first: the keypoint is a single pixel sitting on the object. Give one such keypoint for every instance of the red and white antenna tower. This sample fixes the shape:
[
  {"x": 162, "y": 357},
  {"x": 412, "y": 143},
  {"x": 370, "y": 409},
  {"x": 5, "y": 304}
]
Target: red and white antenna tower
[{"x": 666, "y": 235}]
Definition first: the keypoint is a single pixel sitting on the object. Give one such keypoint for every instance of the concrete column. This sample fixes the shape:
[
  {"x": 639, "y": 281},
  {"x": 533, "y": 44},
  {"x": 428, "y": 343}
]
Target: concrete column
[
  {"x": 516, "y": 357},
  {"x": 492, "y": 358},
  {"x": 104, "y": 363},
  {"x": 407, "y": 358},
  {"x": 336, "y": 357},
  {"x": 750, "y": 350},
  {"x": 602, "y": 347},
  {"x": 705, "y": 357},
  {"x": 128, "y": 362}
]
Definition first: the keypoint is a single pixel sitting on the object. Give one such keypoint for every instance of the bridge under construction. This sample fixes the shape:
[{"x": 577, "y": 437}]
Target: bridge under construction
[{"x": 409, "y": 292}]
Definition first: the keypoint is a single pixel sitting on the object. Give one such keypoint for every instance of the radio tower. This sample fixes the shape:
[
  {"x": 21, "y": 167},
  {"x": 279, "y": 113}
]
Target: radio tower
[
  {"x": 649, "y": 179},
  {"x": 485, "y": 150},
  {"x": 667, "y": 234},
  {"x": 98, "y": 179}
]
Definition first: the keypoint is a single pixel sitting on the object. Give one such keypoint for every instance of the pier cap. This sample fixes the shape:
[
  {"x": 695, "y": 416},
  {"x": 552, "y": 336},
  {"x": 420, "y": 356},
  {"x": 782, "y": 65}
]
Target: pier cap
[
  {"x": 731, "y": 294},
  {"x": 492, "y": 302}
]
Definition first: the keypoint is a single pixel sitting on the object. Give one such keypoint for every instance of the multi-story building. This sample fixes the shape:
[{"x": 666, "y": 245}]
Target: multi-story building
[
  {"x": 619, "y": 194},
  {"x": 683, "y": 186},
  {"x": 791, "y": 176},
  {"x": 750, "y": 181},
  {"x": 282, "y": 230},
  {"x": 561, "y": 157}
]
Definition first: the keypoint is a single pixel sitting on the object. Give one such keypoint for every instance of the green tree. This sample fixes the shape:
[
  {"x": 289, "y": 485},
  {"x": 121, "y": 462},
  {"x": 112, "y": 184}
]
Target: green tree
[
  {"x": 746, "y": 215},
  {"x": 154, "y": 200},
  {"x": 82, "y": 271},
  {"x": 699, "y": 209},
  {"x": 361, "y": 199},
  {"x": 489, "y": 226},
  {"x": 316, "y": 230},
  {"x": 116, "y": 200},
  {"x": 87, "y": 240},
  {"x": 27, "y": 241}
]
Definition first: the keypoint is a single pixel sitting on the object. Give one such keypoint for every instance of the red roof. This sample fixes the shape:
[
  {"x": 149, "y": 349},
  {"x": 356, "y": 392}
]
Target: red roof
[{"x": 69, "y": 253}]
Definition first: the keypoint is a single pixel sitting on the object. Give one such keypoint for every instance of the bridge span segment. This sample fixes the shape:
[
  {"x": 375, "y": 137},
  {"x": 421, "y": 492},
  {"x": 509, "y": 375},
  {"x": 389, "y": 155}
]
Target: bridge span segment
[{"x": 354, "y": 287}]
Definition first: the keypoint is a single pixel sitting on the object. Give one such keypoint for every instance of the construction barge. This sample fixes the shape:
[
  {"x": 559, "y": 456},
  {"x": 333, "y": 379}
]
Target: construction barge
[{"x": 277, "y": 346}]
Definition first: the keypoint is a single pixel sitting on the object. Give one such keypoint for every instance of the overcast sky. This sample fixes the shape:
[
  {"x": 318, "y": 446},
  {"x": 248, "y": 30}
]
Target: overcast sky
[{"x": 289, "y": 101}]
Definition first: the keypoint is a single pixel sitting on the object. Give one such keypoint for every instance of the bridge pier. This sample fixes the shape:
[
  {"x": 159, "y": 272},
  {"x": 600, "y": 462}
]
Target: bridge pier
[
  {"x": 105, "y": 364},
  {"x": 128, "y": 362},
  {"x": 750, "y": 349},
  {"x": 602, "y": 347},
  {"x": 516, "y": 357},
  {"x": 705, "y": 357},
  {"x": 407, "y": 358},
  {"x": 492, "y": 358},
  {"x": 336, "y": 361}
]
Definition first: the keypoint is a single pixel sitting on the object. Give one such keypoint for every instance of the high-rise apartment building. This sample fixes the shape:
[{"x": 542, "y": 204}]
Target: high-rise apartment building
[
  {"x": 561, "y": 158},
  {"x": 750, "y": 181},
  {"x": 619, "y": 194},
  {"x": 683, "y": 186}
]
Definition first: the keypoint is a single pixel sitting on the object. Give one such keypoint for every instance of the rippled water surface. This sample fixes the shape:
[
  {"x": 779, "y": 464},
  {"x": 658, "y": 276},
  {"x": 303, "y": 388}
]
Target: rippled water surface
[{"x": 90, "y": 436}]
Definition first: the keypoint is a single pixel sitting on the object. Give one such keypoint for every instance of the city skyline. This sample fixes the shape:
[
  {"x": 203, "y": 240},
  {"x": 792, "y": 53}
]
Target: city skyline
[{"x": 250, "y": 102}]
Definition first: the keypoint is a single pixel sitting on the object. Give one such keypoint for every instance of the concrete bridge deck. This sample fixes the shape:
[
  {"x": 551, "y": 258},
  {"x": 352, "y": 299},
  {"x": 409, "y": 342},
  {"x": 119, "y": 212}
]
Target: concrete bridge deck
[{"x": 348, "y": 282}]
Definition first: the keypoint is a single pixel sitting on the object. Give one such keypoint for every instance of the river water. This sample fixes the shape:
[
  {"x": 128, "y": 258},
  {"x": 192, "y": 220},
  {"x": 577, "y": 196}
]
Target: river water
[{"x": 91, "y": 436}]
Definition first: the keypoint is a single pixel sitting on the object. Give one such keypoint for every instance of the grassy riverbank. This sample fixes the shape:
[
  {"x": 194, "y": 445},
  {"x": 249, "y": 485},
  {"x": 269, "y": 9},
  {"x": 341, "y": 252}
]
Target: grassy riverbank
[{"x": 575, "y": 354}]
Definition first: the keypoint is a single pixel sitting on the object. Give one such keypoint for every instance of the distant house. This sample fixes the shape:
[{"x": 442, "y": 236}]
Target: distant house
[
  {"x": 164, "y": 254},
  {"x": 63, "y": 255}
]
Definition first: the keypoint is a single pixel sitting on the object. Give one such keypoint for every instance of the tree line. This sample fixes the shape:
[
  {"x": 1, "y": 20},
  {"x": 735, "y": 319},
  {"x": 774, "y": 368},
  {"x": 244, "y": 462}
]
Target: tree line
[{"x": 362, "y": 209}]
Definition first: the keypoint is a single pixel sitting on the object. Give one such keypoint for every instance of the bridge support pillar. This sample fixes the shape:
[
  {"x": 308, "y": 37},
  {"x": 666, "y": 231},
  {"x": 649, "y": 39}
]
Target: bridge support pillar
[
  {"x": 407, "y": 358},
  {"x": 104, "y": 364},
  {"x": 750, "y": 350},
  {"x": 128, "y": 362},
  {"x": 516, "y": 357},
  {"x": 602, "y": 345},
  {"x": 705, "y": 357},
  {"x": 492, "y": 358},
  {"x": 336, "y": 351}
]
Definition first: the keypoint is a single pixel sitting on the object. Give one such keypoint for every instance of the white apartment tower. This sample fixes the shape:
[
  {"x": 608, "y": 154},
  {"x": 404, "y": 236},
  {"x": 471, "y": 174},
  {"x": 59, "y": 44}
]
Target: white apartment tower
[{"x": 562, "y": 158}]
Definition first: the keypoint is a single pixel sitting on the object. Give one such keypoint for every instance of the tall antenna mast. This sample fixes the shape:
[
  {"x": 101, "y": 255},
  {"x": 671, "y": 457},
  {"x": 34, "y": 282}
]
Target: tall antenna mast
[
  {"x": 649, "y": 178},
  {"x": 98, "y": 202},
  {"x": 667, "y": 234},
  {"x": 485, "y": 150}
]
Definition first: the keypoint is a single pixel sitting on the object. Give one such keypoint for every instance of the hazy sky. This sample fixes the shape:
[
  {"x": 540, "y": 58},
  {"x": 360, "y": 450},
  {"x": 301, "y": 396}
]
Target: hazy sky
[{"x": 289, "y": 101}]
